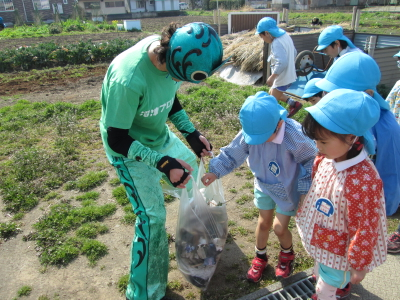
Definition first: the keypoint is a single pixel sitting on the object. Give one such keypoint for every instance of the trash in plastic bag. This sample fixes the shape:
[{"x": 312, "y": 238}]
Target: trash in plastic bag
[{"x": 201, "y": 231}]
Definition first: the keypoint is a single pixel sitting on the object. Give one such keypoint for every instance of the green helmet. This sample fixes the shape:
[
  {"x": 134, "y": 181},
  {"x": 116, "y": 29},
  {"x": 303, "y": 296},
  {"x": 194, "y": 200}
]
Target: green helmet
[{"x": 195, "y": 52}]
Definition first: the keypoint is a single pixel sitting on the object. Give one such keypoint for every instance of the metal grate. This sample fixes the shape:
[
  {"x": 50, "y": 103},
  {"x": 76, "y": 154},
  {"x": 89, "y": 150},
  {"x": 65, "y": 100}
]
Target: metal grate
[{"x": 300, "y": 290}]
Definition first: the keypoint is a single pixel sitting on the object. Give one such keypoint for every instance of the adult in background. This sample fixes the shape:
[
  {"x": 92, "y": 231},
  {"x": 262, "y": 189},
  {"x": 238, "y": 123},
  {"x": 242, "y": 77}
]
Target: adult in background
[
  {"x": 138, "y": 96},
  {"x": 334, "y": 43},
  {"x": 316, "y": 22},
  {"x": 283, "y": 55},
  {"x": 358, "y": 71}
]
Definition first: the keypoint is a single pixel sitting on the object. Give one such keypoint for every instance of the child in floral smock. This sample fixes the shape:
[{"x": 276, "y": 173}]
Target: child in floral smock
[{"x": 342, "y": 221}]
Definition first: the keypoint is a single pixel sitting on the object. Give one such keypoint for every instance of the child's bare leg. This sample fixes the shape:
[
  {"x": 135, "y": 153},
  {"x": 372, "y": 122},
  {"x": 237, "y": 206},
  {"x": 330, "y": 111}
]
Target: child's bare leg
[
  {"x": 264, "y": 224},
  {"x": 325, "y": 291},
  {"x": 279, "y": 95},
  {"x": 281, "y": 229}
]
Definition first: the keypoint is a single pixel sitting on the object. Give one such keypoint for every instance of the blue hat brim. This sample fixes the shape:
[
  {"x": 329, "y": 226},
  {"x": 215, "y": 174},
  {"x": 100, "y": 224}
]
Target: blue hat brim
[
  {"x": 343, "y": 38},
  {"x": 276, "y": 32},
  {"x": 326, "y": 85},
  {"x": 324, "y": 120},
  {"x": 308, "y": 95},
  {"x": 397, "y": 54}
]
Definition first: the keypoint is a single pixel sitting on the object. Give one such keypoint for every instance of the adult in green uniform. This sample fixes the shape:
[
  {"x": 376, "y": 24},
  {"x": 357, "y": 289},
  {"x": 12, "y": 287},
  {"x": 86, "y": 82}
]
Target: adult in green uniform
[{"x": 138, "y": 96}]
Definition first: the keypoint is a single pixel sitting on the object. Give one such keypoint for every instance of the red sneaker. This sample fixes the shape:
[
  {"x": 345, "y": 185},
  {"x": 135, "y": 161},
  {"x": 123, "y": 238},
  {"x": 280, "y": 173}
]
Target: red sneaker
[
  {"x": 254, "y": 274},
  {"x": 393, "y": 244},
  {"x": 294, "y": 109},
  {"x": 343, "y": 293},
  {"x": 285, "y": 265}
]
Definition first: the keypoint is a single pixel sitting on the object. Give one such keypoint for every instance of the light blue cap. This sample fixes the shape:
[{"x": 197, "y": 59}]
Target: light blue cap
[
  {"x": 355, "y": 71},
  {"x": 310, "y": 89},
  {"x": 269, "y": 24},
  {"x": 331, "y": 34},
  {"x": 346, "y": 111},
  {"x": 195, "y": 52},
  {"x": 397, "y": 54},
  {"x": 259, "y": 117}
]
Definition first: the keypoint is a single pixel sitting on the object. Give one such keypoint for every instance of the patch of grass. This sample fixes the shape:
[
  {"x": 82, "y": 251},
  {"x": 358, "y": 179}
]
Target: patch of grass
[
  {"x": 114, "y": 182},
  {"x": 43, "y": 297},
  {"x": 233, "y": 191},
  {"x": 249, "y": 174},
  {"x": 247, "y": 185},
  {"x": 24, "y": 291},
  {"x": 94, "y": 250},
  {"x": 92, "y": 195},
  {"x": 168, "y": 198},
  {"x": 51, "y": 195},
  {"x": 238, "y": 174},
  {"x": 91, "y": 230},
  {"x": 123, "y": 283},
  {"x": 129, "y": 218},
  {"x": 119, "y": 193},
  {"x": 89, "y": 181},
  {"x": 250, "y": 213},
  {"x": 8, "y": 230},
  {"x": 18, "y": 216},
  {"x": 175, "y": 285},
  {"x": 244, "y": 199},
  {"x": 172, "y": 256},
  {"x": 231, "y": 223}
]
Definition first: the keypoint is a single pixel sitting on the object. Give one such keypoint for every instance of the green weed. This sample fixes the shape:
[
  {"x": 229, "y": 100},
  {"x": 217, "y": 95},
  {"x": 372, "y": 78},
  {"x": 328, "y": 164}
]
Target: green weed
[
  {"x": 88, "y": 196},
  {"x": 250, "y": 213},
  {"x": 123, "y": 283},
  {"x": 24, "y": 291},
  {"x": 114, "y": 182},
  {"x": 120, "y": 196},
  {"x": 8, "y": 230},
  {"x": 244, "y": 199},
  {"x": 175, "y": 285},
  {"x": 89, "y": 180},
  {"x": 94, "y": 250},
  {"x": 91, "y": 230}
]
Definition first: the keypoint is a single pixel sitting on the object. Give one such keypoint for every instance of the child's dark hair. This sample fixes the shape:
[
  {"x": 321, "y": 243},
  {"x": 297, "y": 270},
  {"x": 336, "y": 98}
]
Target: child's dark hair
[
  {"x": 319, "y": 94},
  {"x": 166, "y": 35},
  {"x": 316, "y": 131},
  {"x": 343, "y": 44}
]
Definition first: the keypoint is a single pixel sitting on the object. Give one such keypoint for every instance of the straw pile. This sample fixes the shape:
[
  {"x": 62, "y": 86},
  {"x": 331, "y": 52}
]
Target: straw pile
[{"x": 246, "y": 48}]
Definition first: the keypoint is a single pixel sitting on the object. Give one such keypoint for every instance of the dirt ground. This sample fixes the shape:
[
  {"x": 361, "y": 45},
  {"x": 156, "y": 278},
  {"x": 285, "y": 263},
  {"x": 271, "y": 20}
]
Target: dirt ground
[{"x": 19, "y": 264}]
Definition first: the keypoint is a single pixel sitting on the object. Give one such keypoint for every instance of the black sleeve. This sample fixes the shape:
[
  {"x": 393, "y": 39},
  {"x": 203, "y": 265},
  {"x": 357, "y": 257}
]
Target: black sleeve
[
  {"x": 119, "y": 140},
  {"x": 175, "y": 107}
]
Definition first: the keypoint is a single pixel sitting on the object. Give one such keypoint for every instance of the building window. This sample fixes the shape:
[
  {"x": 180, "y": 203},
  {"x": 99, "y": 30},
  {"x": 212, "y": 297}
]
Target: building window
[
  {"x": 6, "y": 5},
  {"x": 41, "y": 4},
  {"x": 139, "y": 4},
  {"x": 115, "y": 4},
  {"x": 92, "y": 5},
  {"x": 65, "y": 1}
]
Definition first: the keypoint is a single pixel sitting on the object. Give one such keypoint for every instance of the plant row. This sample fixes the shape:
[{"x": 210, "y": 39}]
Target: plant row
[{"x": 47, "y": 55}]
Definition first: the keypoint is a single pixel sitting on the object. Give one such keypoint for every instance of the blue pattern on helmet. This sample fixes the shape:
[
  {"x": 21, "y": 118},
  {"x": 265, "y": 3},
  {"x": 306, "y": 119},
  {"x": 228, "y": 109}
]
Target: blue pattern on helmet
[{"x": 195, "y": 52}]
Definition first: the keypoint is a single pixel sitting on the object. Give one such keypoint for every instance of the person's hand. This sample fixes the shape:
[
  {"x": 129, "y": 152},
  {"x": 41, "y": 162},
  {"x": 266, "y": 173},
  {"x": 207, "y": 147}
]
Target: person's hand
[
  {"x": 208, "y": 178},
  {"x": 199, "y": 144},
  {"x": 177, "y": 174},
  {"x": 357, "y": 276},
  {"x": 174, "y": 169},
  {"x": 271, "y": 79},
  {"x": 207, "y": 150}
]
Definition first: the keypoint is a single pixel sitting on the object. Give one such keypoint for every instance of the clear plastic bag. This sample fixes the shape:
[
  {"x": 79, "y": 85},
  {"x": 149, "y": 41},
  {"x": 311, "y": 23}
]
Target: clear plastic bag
[{"x": 201, "y": 231}]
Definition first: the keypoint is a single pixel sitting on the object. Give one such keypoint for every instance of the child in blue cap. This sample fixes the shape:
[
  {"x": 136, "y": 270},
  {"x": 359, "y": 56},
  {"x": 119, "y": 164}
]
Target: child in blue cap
[
  {"x": 342, "y": 221},
  {"x": 283, "y": 56},
  {"x": 312, "y": 93},
  {"x": 280, "y": 157},
  {"x": 334, "y": 43},
  {"x": 393, "y": 99},
  {"x": 394, "y": 96},
  {"x": 358, "y": 71}
]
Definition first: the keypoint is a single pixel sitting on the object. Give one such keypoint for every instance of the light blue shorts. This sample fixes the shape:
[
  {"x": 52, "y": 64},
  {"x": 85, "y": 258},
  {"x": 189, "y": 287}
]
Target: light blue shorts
[
  {"x": 333, "y": 277},
  {"x": 265, "y": 202}
]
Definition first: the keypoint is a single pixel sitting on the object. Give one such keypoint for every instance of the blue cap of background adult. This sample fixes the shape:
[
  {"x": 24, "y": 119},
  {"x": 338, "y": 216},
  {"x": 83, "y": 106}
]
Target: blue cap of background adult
[
  {"x": 346, "y": 111},
  {"x": 397, "y": 54},
  {"x": 269, "y": 24},
  {"x": 195, "y": 52},
  {"x": 259, "y": 117},
  {"x": 331, "y": 34},
  {"x": 355, "y": 71},
  {"x": 310, "y": 89}
]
